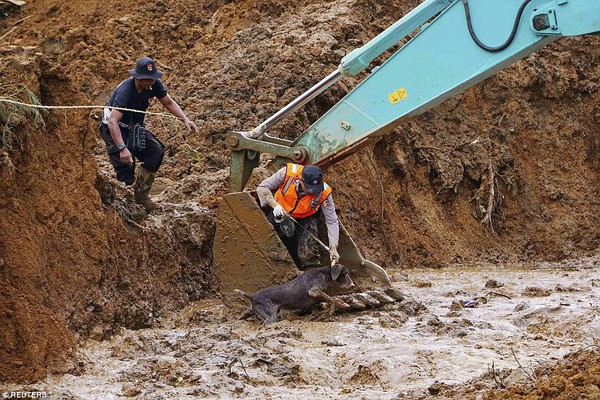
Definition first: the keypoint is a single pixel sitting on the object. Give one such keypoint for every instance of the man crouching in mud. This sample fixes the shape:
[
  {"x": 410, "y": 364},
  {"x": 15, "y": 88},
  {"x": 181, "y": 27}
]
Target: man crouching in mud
[
  {"x": 124, "y": 133},
  {"x": 299, "y": 192}
]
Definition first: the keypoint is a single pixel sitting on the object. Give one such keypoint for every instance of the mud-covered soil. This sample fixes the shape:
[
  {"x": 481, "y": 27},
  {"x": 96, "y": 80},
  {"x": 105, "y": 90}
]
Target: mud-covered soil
[
  {"x": 513, "y": 326},
  {"x": 79, "y": 260}
]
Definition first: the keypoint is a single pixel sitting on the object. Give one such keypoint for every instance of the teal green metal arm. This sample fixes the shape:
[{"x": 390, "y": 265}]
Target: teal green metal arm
[
  {"x": 442, "y": 60},
  {"x": 439, "y": 62},
  {"x": 359, "y": 59}
]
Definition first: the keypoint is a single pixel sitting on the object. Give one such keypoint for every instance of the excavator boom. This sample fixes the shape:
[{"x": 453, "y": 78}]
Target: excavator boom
[{"x": 442, "y": 60}]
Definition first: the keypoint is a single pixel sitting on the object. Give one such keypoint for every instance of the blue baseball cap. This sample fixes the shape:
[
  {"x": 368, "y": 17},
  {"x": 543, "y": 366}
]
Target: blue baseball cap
[
  {"x": 313, "y": 179},
  {"x": 145, "y": 68}
]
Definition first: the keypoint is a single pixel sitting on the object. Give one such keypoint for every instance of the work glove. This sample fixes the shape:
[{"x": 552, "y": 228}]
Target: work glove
[
  {"x": 334, "y": 255},
  {"x": 278, "y": 211}
]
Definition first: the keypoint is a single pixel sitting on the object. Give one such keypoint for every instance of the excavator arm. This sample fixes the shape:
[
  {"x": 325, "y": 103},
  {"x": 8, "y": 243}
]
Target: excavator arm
[{"x": 459, "y": 43}]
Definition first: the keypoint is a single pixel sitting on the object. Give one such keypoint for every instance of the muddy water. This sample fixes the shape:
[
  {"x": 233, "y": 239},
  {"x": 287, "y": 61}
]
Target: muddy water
[{"x": 527, "y": 315}]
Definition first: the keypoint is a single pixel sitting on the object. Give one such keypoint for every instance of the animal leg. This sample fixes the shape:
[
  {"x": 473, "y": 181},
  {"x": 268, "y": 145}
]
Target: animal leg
[
  {"x": 267, "y": 313},
  {"x": 248, "y": 313},
  {"x": 318, "y": 294}
]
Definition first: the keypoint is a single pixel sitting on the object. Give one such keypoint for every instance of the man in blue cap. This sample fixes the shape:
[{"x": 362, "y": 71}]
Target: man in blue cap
[
  {"x": 121, "y": 132},
  {"x": 299, "y": 191}
]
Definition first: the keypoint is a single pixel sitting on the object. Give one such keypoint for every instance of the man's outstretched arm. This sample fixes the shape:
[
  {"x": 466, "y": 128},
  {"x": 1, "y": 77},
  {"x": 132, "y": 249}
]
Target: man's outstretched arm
[{"x": 174, "y": 109}]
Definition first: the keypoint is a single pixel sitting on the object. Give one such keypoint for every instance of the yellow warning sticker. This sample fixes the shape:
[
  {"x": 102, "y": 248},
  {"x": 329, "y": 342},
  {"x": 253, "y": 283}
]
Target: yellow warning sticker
[{"x": 397, "y": 96}]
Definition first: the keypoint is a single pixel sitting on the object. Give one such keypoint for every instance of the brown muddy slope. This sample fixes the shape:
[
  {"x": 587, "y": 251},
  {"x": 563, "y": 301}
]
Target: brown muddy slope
[
  {"x": 76, "y": 252},
  {"x": 69, "y": 264}
]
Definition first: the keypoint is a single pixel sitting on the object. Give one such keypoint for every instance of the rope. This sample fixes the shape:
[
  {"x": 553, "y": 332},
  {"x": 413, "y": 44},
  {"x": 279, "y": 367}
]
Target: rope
[{"x": 82, "y": 107}]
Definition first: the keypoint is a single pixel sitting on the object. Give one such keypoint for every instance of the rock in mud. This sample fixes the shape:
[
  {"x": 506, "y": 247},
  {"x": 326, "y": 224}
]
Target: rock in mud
[
  {"x": 521, "y": 307},
  {"x": 393, "y": 320},
  {"x": 381, "y": 296},
  {"x": 353, "y": 302},
  {"x": 368, "y": 300},
  {"x": 412, "y": 307},
  {"x": 437, "y": 388},
  {"x": 395, "y": 294},
  {"x": 422, "y": 284},
  {"x": 332, "y": 342},
  {"x": 493, "y": 284},
  {"x": 534, "y": 291},
  {"x": 129, "y": 390}
]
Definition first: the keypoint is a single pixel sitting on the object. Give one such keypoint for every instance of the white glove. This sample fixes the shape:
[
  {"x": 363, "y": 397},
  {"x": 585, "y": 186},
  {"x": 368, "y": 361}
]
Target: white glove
[
  {"x": 334, "y": 255},
  {"x": 278, "y": 211}
]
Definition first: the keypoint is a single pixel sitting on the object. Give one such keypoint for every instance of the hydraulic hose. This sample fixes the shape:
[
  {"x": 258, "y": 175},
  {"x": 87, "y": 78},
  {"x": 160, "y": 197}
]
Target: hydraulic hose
[{"x": 510, "y": 38}]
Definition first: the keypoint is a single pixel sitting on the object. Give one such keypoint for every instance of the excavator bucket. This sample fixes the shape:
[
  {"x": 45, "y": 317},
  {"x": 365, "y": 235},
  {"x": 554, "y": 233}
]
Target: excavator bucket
[
  {"x": 365, "y": 274},
  {"x": 247, "y": 252},
  {"x": 249, "y": 255}
]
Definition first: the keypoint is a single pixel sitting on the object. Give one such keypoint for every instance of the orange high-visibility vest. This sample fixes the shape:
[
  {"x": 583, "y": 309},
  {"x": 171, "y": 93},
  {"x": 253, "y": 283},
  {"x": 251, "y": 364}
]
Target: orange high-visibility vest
[{"x": 287, "y": 195}]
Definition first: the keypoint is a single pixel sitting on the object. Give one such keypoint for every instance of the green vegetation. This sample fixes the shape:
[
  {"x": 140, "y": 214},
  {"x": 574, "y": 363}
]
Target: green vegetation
[{"x": 13, "y": 115}]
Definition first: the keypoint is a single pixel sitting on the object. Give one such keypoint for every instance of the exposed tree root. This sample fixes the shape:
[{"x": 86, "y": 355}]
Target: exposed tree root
[
  {"x": 492, "y": 200},
  {"x": 488, "y": 197}
]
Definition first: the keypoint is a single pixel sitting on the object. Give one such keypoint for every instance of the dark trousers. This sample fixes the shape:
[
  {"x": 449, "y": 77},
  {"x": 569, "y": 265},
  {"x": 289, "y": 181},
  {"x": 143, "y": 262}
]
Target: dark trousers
[
  {"x": 302, "y": 247},
  {"x": 151, "y": 156}
]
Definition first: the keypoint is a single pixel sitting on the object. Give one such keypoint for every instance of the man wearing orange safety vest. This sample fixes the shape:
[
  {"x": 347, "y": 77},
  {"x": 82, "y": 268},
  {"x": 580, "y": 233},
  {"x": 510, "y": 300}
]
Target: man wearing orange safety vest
[{"x": 300, "y": 192}]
